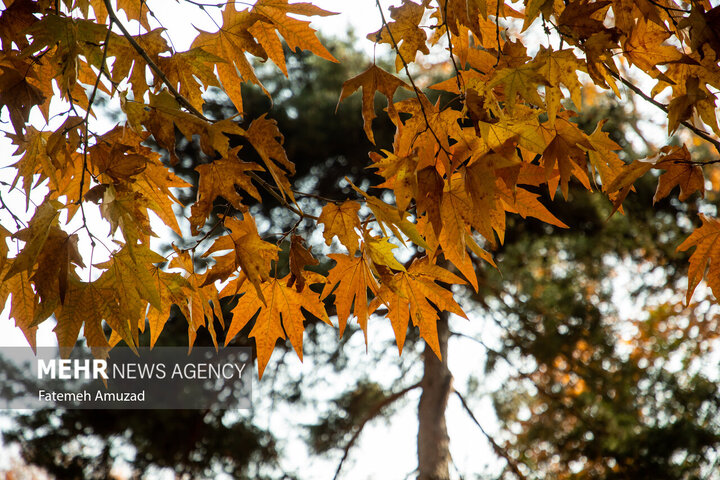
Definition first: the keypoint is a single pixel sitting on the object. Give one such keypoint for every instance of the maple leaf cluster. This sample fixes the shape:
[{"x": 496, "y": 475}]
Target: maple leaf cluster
[{"x": 456, "y": 170}]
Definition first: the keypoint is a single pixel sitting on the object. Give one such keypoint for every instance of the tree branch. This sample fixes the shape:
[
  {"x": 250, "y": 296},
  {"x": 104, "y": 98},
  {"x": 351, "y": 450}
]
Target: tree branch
[
  {"x": 153, "y": 66},
  {"x": 700, "y": 133},
  {"x": 498, "y": 449},
  {"x": 458, "y": 77},
  {"x": 412, "y": 81},
  {"x": 268, "y": 188},
  {"x": 372, "y": 414}
]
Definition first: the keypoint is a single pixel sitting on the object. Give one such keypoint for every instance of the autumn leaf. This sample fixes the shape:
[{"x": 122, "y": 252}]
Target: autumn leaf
[
  {"x": 341, "y": 221},
  {"x": 408, "y": 297},
  {"x": 298, "y": 259},
  {"x": 502, "y": 132},
  {"x": 279, "y": 310},
  {"x": 198, "y": 298},
  {"x": 297, "y": 33},
  {"x": 372, "y": 80},
  {"x": 23, "y": 303},
  {"x": 189, "y": 72},
  {"x": 248, "y": 251},
  {"x": 705, "y": 239},
  {"x": 644, "y": 47},
  {"x": 404, "y": 32},
  {"x": 221, "y": 178},
  {"x": 267, "y": 37},
  {"x": 679, "y": 171},
  {"x": 230, "y": 43},
  {"x": 522, "y": 80},
  {"x": 35, "y": 159},
  {"x": 132, "y": 268},
  {"x": 380, "y": 251},
  {"x": 430, "y": 186},
  {"x": 173, "y": 289},
  {"x": 559, "y": 68},
  {"x": 34, "y": 237},
  {"x": 349, "y": 281},
  {"x": 267, "y": 140},
  {"x": 566, "y": 150}
]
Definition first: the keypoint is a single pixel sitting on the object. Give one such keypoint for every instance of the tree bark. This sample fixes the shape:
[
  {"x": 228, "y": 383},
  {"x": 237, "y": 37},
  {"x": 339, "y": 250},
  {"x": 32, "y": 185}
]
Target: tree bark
[{"x": 433, "y": 441}]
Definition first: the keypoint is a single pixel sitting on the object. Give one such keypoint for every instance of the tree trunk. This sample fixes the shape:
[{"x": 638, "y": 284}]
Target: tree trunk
[{"x": 433, "y": 441}]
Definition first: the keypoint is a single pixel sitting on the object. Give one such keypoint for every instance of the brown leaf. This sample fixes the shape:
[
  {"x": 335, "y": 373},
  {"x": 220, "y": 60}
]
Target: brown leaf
[
  {"x": 679, "y": 170},
  {"x": 299, "y": 258},
  {"x": 371, "y": 80}
]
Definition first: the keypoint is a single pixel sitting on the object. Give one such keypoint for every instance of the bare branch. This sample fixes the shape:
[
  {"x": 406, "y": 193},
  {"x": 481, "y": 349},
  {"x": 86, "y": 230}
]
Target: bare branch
[
  {"x": 700, "y": 133},
  {"x": 498, "y": 449},
  {"x": 372, "y": 414}
]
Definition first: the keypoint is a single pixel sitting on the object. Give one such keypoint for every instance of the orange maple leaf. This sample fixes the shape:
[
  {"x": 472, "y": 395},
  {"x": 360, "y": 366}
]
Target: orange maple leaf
[
  {"x": 706, "y": 239},
  {"x": 279, "y": 311},
  {"x": 408, "y": 296}
]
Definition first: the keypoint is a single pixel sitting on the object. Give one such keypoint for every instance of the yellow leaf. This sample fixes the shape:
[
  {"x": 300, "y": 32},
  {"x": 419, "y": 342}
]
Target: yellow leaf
[
  {"x": 249, "y": 252},
  {"x": 230, "y": 43},
  {"x": 380, "y": 252},
  {"x": 522, "y": 80},
  {"x": 266, "y": 36},
  {"x": 349, "y": 280},
  {"x": 131, "y": 269},
  {"x": 405, "y": 30},
  {"x": 297, "y": 33}
]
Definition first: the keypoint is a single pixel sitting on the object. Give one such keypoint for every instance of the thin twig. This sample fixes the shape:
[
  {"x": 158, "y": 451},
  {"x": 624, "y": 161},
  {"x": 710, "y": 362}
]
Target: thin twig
[
  {"x": 86, "y": 121},
  {"x": 153, "y": 66},
  {"x": 412, "y": 81},
  {"x": 28, "y": 200},
  {"x": 370, "y": 415},
  {"x": 498, "y": 449},
  {"x": 699, "y": 163},
  {"x": 458, "y": 78},
  {"x": 268, "y": 188},
  {"x": 18, "y": 223},
  {"x": 700, "y": 133}
]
